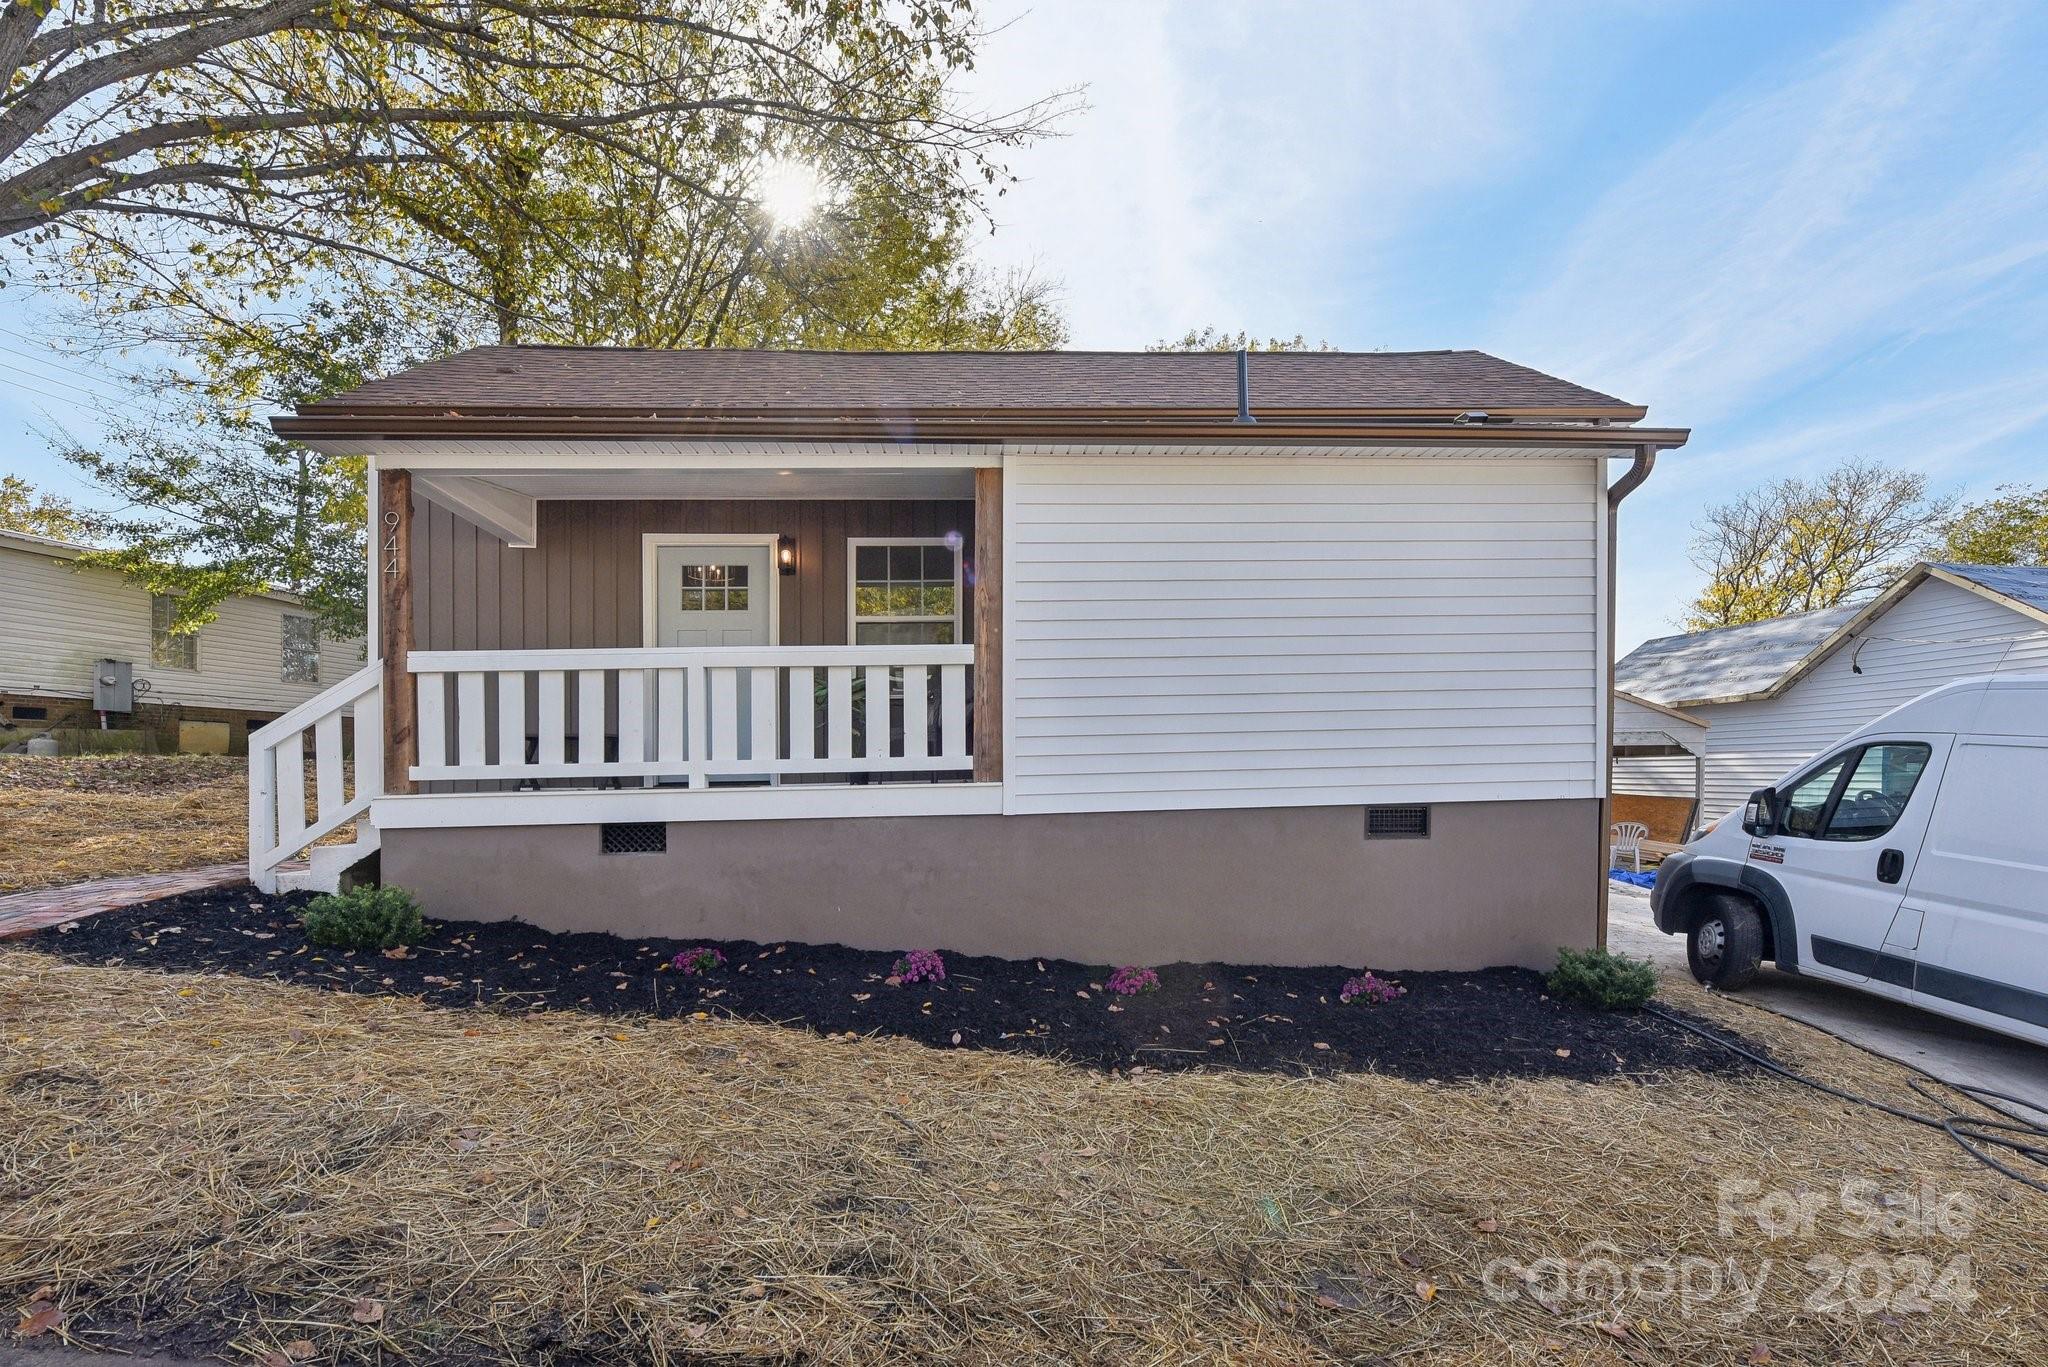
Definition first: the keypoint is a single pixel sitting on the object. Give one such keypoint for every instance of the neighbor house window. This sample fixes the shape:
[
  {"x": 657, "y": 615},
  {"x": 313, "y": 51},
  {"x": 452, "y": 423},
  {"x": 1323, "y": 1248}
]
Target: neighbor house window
[
  {"x": 301, "y": 650},
  {"x": 168, "y": 651},
  {"x": 905, "y": 592}
]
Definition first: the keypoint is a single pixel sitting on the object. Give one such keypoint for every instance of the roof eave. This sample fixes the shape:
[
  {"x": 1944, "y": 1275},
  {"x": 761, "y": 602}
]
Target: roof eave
[{"x": 329, "y": 425}]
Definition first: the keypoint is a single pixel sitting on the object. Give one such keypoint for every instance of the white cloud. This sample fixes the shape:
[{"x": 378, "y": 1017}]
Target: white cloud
[
  {"x": 1789, "y": 225},
  {"x": 1219, "y": 176}
]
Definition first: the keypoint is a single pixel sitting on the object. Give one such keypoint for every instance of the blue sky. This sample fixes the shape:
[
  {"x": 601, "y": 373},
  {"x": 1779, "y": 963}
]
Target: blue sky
[{"x": 1808, "y": 231}]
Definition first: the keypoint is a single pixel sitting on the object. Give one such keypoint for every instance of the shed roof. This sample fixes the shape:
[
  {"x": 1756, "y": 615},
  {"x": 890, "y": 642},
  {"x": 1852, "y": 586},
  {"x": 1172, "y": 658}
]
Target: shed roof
[
  {"x": 2026, "y": 584},
  {"x": 1727, "y": 662},
  {"x": 1762, "y": 659}
]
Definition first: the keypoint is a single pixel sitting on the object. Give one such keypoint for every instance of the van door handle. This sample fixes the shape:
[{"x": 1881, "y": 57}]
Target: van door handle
[{"x": 1890, "y": 864}]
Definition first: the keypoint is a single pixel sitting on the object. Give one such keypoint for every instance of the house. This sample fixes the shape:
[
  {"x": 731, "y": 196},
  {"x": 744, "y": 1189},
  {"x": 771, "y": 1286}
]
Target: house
[
  {"x": 59, "y": 621},
  {"x": 1775, "y": 693},
  {"x": 1125, "y": 657}
]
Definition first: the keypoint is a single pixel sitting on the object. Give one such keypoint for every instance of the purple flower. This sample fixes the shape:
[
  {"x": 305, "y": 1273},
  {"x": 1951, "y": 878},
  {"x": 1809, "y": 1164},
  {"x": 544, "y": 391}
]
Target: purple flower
[
  {"x": 1371, "y": 989},
  {"x": 921, "y": 966},
  {"x": 1130, "y": 980},
  {"x": 698, "y": 961}
]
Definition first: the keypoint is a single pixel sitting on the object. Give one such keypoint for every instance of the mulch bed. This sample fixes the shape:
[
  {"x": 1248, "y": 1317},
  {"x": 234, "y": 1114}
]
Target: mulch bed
[
  {"x": 1491, "y": 1023},
  {"x": 118, "y": 773}
]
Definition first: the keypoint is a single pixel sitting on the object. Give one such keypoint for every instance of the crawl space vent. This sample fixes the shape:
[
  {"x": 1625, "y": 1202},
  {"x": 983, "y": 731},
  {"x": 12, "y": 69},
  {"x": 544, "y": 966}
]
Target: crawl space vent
[
  {"x": 1397, "y": 823},
  {"x": 635, "y": 837}
]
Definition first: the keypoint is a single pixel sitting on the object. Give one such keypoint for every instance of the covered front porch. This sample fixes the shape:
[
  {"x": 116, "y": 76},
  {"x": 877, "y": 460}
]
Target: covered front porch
[{"x": 756, "y": 635}]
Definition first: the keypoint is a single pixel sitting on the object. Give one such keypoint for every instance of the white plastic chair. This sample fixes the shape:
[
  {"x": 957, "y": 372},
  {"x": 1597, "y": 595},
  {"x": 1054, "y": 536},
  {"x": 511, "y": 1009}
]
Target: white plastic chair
[{"x": 1628, "y": 840}]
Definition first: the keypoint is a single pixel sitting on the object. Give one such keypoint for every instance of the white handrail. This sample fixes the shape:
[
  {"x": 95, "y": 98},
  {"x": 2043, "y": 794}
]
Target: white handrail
[
  {"x": 278, "y": 823},
  {"x": 695, "y": 714}
]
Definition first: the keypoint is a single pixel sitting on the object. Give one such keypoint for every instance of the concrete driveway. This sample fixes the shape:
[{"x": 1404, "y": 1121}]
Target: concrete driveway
[{"x": 1951, "y": 1050}]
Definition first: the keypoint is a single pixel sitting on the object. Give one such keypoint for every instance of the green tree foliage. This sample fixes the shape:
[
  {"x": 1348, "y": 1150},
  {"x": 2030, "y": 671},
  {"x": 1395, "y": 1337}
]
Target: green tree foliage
[
  {"x": 1798, "y": 545},
  {"x": 2011, "y": 529},
  {"x": 22, "y": 509},
  {"x": 216, "y": 156},
  {"x": 1211, "y": 339},
  {"x": 215, "y": 505}
]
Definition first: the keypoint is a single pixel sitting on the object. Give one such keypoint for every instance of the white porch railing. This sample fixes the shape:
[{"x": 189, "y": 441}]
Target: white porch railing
[
  {"x": 280, "y": 823},
  {"x": 723, "y": 712}
]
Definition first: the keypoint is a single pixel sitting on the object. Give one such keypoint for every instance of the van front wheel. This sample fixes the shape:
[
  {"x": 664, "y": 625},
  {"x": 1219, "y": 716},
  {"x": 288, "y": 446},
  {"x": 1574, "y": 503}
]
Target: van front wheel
[{"x": 1726, "y": 944}]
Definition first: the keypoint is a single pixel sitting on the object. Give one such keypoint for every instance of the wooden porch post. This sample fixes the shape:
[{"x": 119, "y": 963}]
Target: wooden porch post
[
  {"x": 988, "y": 625},
  {"x": 394, "y": 625}
]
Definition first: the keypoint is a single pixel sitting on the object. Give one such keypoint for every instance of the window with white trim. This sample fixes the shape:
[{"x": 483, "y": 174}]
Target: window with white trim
[
  {"x": 905, "y": 591},
  {"x": 169, "y": 650},
  {"x": 299, "y": 653}
]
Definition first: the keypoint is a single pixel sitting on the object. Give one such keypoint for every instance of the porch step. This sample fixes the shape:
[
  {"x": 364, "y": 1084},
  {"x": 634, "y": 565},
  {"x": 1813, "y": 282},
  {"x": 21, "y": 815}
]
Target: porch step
[{"x": 324, "y": 864}]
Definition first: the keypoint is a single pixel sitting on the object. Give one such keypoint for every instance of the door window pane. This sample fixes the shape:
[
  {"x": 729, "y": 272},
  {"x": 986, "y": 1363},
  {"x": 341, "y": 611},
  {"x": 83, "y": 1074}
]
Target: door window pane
[
  {"x": 705, "y": 588},
  {"x": 1807, "y": 803},
  {"x": 1878, "y": 790}
]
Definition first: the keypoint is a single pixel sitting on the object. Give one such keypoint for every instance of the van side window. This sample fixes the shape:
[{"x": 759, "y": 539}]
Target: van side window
[
  {"x": 1806, "y": 803},
  {"x": 1879, "y": 787}
]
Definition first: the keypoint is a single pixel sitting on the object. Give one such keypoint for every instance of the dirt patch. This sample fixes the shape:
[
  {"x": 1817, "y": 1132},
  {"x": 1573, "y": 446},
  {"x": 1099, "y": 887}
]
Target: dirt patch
[{"x": 1500, "y": 1022}]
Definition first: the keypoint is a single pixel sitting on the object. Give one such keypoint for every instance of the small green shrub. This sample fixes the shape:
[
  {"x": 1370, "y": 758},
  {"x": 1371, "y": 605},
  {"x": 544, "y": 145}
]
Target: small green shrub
[
  {"x": 364, "y": 918},
  {"x": 1602, "y": 978}
]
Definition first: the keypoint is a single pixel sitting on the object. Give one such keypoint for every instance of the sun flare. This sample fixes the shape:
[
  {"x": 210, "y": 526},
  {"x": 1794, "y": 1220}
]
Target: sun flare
[{"x": 789, "y": 191}]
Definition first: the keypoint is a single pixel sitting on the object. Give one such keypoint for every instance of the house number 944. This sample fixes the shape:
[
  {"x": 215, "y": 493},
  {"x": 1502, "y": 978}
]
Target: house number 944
[{"x": 391, "y": 543}]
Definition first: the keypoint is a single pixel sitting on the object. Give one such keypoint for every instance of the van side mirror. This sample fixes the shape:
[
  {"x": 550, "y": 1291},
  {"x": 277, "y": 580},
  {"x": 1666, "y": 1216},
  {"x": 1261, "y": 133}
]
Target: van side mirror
[{"x": 1760, "y": 813}]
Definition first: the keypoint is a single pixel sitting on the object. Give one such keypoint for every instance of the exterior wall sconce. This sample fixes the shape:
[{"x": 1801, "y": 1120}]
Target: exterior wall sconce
[{"x": 785, "y": 554}]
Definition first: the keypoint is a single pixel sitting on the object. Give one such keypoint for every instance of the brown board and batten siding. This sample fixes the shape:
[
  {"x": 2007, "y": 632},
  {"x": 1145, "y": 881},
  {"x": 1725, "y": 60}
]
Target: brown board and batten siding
[{"x": 579, "y": 586}]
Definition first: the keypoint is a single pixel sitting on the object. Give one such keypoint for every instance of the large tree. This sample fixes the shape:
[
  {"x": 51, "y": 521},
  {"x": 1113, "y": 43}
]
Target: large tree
[
  {"x": 2011, "y": 529},
  {"x": 211, "y": 155},
  {"x": 1798, "y": 545}
]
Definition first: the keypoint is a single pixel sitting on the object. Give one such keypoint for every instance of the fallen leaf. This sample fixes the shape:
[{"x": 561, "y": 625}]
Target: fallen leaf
[
  {"x": 1321, "y": 1045},
  {"x": 1426, "y": 1291},
  {"x": 40, "y": 1318},
  {"x": 300, "y": 1350},
  {"x": 1564, "y": 1053},
  {"x": 1486, "y": 1226},
  {"x": 753, "y": 1291},
  {"x": 1759, "y": 1354},
  {"x": 653, "y": 1221},
  {"x": 1616, "y": 1328},
  {"x": 696, "y": 1330},
  {"x": 367, "y": 1311}
]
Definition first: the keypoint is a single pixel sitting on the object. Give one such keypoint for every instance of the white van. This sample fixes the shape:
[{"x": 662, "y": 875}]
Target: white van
[{"x": 1910, "y": 859}]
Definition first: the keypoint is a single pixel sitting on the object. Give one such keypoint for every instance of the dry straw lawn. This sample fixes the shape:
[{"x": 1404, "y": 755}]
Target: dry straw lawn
[
  {"x": 68, "y": 820},
  {"x": 289, "y": 1174}
]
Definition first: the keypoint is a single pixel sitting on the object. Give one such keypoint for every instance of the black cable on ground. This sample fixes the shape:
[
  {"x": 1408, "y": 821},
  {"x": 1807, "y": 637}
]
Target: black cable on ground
[{"x": 1974, "y": 1134}]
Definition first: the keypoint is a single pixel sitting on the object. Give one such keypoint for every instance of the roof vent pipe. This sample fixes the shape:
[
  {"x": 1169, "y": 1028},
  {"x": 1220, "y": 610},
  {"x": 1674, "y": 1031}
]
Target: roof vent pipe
[{"x": 1244, "y": 386}]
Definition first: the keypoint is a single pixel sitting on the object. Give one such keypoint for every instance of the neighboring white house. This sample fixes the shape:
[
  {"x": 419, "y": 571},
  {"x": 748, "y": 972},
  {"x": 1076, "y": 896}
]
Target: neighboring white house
[
  {"x": 1775, "y": 693},
  {"x": 263, "y": 656}
]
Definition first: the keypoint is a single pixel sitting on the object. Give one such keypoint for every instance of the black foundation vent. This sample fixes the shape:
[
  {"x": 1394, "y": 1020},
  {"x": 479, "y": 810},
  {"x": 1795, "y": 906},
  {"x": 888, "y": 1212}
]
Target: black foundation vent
[
  {"x": 1397, "y": 823},
  {"x": 634, "y": 837}
]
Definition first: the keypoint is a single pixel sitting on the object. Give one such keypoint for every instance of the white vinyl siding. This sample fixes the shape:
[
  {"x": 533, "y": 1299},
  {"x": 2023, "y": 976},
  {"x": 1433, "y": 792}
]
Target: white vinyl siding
[
  {"x": 58, "y": 619},
  {"x": 1225, "y": 632},
  {"x": 1934, "y": 635}
]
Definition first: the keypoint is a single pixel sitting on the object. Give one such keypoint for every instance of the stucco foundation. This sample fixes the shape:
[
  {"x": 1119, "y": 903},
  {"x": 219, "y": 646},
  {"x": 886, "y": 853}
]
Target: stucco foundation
[{"x": 1495, "y": 883}]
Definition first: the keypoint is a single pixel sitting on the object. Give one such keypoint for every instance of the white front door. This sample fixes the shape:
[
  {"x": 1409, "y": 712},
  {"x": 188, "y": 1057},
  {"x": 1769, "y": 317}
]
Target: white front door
[
  {"x": 710, "y": 594},
  {"x": 706, "y": 595}
]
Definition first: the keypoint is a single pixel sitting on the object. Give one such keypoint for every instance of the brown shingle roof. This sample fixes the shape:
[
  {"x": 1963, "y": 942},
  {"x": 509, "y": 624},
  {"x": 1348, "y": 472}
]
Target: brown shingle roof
[{"x": 529, "y": 379}]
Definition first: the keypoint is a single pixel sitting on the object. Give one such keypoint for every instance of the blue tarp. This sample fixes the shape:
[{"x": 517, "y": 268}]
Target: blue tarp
[{"x": 1641, "y": 880}]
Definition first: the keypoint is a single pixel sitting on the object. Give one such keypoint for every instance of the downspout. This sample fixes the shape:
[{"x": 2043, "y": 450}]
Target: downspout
[{"x": 1631, "y": 480}]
